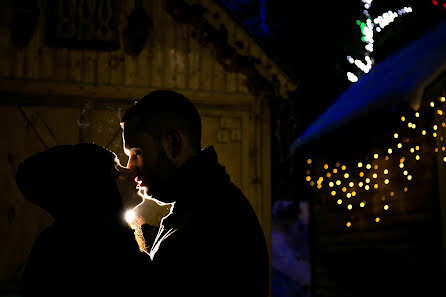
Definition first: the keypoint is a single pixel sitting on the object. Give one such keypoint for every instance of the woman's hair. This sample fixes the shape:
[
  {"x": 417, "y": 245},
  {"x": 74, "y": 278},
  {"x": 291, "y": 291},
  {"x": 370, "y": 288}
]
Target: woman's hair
[
  {"x": 162, "y": 110},
  {"x": 65, "y": 179}
]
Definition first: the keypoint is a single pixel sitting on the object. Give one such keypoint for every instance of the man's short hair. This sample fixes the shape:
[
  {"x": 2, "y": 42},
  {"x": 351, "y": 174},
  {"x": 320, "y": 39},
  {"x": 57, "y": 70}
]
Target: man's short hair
[{"x": 161, "y": 110}]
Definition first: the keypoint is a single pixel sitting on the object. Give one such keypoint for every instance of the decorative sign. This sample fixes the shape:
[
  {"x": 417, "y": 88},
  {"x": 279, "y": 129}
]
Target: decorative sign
[{"x": 82, "y": 24}]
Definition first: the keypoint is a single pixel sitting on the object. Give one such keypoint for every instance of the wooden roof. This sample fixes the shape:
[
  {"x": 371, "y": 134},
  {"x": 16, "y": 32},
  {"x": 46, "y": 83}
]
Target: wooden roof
[{"x": 236, "y": 49}]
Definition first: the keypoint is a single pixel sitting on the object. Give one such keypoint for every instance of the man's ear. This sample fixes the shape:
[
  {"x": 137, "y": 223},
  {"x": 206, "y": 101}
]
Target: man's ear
[{"x": 174, "y": 143}]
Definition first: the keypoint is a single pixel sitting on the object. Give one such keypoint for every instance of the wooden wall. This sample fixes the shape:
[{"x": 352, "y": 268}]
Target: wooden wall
[{"x": 51, "y": 96}]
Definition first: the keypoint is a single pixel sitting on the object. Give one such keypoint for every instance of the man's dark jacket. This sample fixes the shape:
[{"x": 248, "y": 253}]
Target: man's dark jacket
[{"x": 215, "y": 245}]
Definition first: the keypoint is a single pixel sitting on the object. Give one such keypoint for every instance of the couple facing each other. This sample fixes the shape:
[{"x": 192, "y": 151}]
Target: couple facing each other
[{"x": 211, "y": 244}]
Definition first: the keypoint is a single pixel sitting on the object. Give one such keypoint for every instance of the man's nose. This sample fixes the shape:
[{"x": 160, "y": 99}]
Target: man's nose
[
  {"x": 131, "y": 164},
  {"x": 127, "y": 173}
]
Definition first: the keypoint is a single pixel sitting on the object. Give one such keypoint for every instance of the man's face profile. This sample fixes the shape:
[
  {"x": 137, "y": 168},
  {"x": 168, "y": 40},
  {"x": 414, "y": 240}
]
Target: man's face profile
[{"x": 146, "y": 156}]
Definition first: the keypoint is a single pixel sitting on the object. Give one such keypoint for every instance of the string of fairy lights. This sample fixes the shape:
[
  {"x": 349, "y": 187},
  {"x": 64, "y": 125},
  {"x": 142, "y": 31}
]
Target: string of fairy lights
[
  {"x": 369, "y": 28},
  {"x": 377, "y": 172}
]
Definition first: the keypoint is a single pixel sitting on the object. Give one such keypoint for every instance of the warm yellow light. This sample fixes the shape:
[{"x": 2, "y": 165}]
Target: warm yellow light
[
  {"x": 442, "y": 99},
  {"x": 412, "y": 150},
  {"x": 405, "y": 189},
  {"x": 338, "y": 182},
  {"x": 328, "y": 174},
  {"x": 353, "y": 193},
  {"x": 387, "y": 158},
  {"x": 343, "y": 167},
  {"x": 362, "y": 204},
  {"x": 335, "y": 170},
  {"x": 417, "y": 157},
  {"x": 389, "y": 151},
  {"x": 308, "y": 178},
  {"x": 417, "y": 148},
  {"x": 405, "y": 172},
  {"x": 401, "y": 165},
  {"x": 367, "y": 180},
  {"x": 348, "y": 224},
  {"x": 344, "y": 189},
  {"x": 331, "y": 184},
  {"x": 403, "y": 118},
  {"x": 432, "y": 104},
  {"x": 434, "y": 134},
  {"x": 414, "y": 126},
  {"x": 417, "y": 114},
  {"x": 319, "y": 186},
  {"x": 361, "y": 174},
  {"x": 440, "y": 112},
  {"x": 375, "y": 156},
  {"x": 444, "y": 159},
  {"x": 386, "y": 171},
  {"x": 386, "y": 207},
  {"x": 443, "y": 148},
  {"x": 349, "y": 206},
  {"x": 359, "y": 164},
  {"x": 367, "y": 187},
  {"x": 386, "y": 181},
  {"x": 360, "y": 184},
  {"x": 312, "y": 183},
  {"x": 325, "y": 166},
  {"x": 309, "y": 161},
  {"x": 402, "y": 160},
  {"x": 376, "y": 167},
  {"x": 351, "y": 184},
  {"x": 409, "y": 125},
  {"x": 435, "y": 127},
  {"x": 349, "y": 195},
  {"x": 395, "y": 135},
  {"x": 392, "y": 194},
  {"x": 377, "y": 219},
  {"x": 375, "y": 175},
  {"x": 333, "y": 193},
  {"x": 399, "y": 145},
  {"x": 346, "y": 175},
  {"x": 436, "y": 149},
  {"x": 368, "y": 166},
  {"x": 423, "y": 132},
  {"x": 376, "y": 186},
  {"x": 339, "y": 201},
  {"x": 443, "y": 124}
]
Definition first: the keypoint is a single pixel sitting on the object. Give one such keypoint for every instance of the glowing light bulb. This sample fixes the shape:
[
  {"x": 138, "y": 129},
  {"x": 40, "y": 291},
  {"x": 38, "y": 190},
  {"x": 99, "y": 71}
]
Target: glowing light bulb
[
  {"x": 359, "y": 164},
  {"x": 346, "y": 175},
  {"x": 333, "y": 193},
  {"x": 386, "y": 181},
  {"x": 395, "y": 135},
  {"x": 403, "y": 118},
  {"x": 423, "y": 132},
  {"x": 338, "y": 182},
  {"x": 389, "y": 151},
  {"x": 343, "y": 167},
  {"x": 417, "y": 157},
  {"x": 361, "y": 174},
  {"x": 368, "y": 166},
  {"x": 331, "y": 184},
  {"x": 401, "y": 165},
  {"x": 367, "y": 187},
  {"x": 417, "y": 148},
  {"x": 349, "y": 224},
  {"x": 417, "y": 114},
  {"x": 349, "y": 195},
  {"x": 435, "y": 127},
  {"x": 335, "y": 170},
  {"x": 375, "y": 156},
  {"x": 360, "y": 184},
  {"x": 362, "y": 204},
  {"x": 409, "y": 177},
  {"x": 432, "y": 104},
  {"x": 434, "y": 134},
  {"x": 344, "y": 189},
  {"x": 375, "y": 175},
  {"x": 405, "y": 189},
  {"x": 312, "y": 183},
  {"x": 349, "y": 206},
  {"x": 376, "y": 186},
  {"x": 399, "y": 145},
  {"x": 319, "y": 186},
  {"x": 444, "y": 159},
  {"x": 308, "y": 178},
  {"x": 351, "y": 184},
  {"x": 309, "y": 161},
  {"x": 386, "y": 207},
  {"x": 376, "y": 167},
  {"x": 412, "y": 150},
  {"x": 377, "y": 219},
  {"x": 328, "y": 174},
  {"x": 386, "y": 171},
  {"x": 442, "y": 99},
  {"x": 409, "y": 125},
  {"x": 405, "y": 172},
  {"x": 339, "y": 201},
  {"x": 325, "y": 166},
  {"x": 440, "y": 112},
  {"x": 353, "y": 193},
  {"x": 130, "y": 216},
  {"x": 392, "y": 194},
  {"x": 367, "y": 180}
]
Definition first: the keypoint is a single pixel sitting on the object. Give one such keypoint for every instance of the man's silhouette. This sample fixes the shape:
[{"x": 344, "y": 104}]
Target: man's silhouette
[{"x": 212, "y": 243}]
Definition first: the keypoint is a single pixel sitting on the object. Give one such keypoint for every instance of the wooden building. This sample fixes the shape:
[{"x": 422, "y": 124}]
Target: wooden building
[
  {"x": 374, "y": 166},
  {"x": 67, "y": 74}
]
